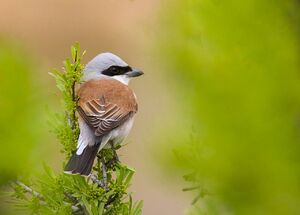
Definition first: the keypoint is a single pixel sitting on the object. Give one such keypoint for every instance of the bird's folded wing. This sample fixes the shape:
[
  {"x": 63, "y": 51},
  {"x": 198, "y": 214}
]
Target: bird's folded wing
[{"x": 103, "y": 116}]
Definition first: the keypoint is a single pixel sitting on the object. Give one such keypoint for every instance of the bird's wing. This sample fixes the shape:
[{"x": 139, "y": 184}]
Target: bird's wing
[{"x": 103, "y": 116}]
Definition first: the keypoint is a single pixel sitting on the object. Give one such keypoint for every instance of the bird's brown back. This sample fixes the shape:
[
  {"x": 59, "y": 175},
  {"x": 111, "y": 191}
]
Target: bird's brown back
[{"x": 111, "y": 90}]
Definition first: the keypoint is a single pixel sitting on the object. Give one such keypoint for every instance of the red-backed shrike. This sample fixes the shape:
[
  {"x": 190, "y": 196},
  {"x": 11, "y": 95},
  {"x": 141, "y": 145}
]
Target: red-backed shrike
[{"x": 106, "y": 108}]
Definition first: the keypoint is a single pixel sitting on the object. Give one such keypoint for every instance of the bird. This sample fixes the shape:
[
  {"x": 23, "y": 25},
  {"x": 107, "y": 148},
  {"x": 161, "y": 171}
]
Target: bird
[{"x": 106, "y": 107}]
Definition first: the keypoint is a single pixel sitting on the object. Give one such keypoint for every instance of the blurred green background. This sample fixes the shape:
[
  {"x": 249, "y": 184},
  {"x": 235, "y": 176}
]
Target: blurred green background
[
  {"x": 218, "y": 105},
  {"x": 236, "y": 65},
  {"x": 19, "y": 123}
]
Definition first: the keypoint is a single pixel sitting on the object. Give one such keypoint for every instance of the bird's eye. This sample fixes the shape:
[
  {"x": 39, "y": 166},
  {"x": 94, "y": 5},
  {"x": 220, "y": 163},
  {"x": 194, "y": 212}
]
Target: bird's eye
[{"x": 114, "y": 70}]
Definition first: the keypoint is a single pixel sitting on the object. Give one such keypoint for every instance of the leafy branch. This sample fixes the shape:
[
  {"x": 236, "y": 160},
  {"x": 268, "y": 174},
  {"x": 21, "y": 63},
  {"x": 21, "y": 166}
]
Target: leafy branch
[
  {"x": 66, "y": 125},
  {"x": 104, "y": 192}
]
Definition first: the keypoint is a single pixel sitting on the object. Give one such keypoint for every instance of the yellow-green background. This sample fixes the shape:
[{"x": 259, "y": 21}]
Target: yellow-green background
[{"x": 220, "y": 97}]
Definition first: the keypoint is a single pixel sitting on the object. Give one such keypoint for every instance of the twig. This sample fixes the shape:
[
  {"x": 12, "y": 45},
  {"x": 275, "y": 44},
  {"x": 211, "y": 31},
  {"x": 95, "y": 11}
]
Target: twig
[
  {"x": 104, "y": 174},
  {"x": 74, "y": 93},
  {"x": 95, "y": 180},
  {"x": 38, "y": 195},
  {"x": 73, "y": 120},
  {"x": 75, "y": 209},
  {"x": 110, "y": 200},
  {"x": 29, "y": 190}
]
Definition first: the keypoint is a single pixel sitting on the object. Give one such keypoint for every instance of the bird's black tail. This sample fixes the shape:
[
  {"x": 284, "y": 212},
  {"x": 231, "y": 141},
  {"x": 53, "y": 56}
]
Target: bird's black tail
[{"x": 82, "y": 164}]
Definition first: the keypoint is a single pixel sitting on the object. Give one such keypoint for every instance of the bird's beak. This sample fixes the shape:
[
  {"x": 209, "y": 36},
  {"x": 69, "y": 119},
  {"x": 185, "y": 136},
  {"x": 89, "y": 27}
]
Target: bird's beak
[{"x": 134, "y": 73}]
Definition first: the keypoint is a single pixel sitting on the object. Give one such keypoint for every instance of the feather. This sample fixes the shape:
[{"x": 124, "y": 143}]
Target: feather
[{"x": 82, "y": 164}]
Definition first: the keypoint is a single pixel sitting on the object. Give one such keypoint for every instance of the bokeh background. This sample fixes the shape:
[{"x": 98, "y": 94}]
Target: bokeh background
[{"x": 218, "y": 104}]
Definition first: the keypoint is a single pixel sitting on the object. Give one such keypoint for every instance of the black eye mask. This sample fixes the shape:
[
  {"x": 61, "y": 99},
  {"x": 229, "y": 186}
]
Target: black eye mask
[{"x": 116, "y": 70}]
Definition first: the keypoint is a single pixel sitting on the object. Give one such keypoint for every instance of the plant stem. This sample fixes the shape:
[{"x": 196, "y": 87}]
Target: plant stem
[
  {"x": 38, "y": 195},
  {"x": 73, "y": 119},
  {"x": 30, "y": 190}
]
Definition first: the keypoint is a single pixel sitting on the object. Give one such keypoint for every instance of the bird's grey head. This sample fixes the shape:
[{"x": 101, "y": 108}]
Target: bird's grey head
[{"x": 108, "y": 65}]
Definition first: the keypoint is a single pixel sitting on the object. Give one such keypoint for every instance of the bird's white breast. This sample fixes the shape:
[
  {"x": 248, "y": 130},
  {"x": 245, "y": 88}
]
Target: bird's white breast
[{"x": 120, "y": 133}]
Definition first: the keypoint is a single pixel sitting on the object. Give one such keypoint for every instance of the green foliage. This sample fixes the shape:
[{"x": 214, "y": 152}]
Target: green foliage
[
  {"x": 236, "y": 65},
  {"x": 67, "y": 194},
  {"x": 66, "y": 125},
  {"x": 104, "y": 192},
  {"x": 19, "y": 116}
]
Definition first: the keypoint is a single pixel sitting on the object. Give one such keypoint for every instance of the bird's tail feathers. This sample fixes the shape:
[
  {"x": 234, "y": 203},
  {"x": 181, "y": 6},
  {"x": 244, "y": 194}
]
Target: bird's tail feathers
[{"x": 82, "y": 164}]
